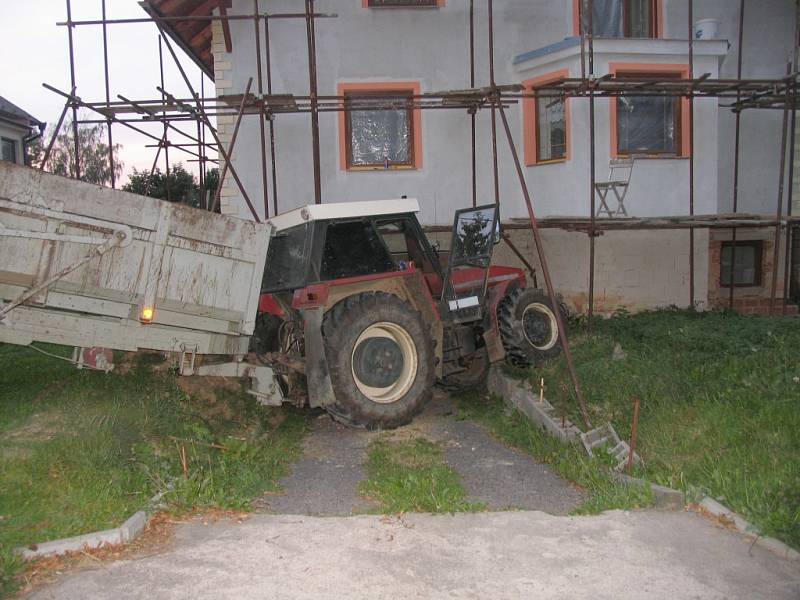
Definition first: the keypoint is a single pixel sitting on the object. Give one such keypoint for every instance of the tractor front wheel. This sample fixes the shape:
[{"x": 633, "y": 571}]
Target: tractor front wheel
[
  {"x": 528, "y": 326},
  {"x": 380, "y": 360}
]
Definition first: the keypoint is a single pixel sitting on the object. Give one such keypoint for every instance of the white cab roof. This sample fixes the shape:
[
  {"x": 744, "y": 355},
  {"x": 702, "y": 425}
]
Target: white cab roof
[{"x": 343, "y": 210}]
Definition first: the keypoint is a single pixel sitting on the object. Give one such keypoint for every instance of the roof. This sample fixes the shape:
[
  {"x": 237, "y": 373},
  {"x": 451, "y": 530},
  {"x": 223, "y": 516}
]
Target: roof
[
  {"x": 194, "y": 37},
  {"x": 12, "y": 112},
  {"x": 344, "y": 210}
]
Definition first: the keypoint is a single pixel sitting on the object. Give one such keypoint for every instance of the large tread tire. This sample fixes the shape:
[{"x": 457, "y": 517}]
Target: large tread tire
[
  {"x": 473, "y": 377},
  {"x": 341, "y": 328},
  {"x": 520, "y": 350}
]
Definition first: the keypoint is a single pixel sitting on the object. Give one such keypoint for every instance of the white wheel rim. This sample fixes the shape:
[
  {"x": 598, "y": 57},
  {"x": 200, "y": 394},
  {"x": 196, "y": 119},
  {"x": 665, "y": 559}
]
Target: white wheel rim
[
  {"x": 396, "y": 390},
  {"x": 544, "y": 310}
]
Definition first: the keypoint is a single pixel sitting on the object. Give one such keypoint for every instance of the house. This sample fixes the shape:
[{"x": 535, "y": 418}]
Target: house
[
  {"x": 398, "y": 48},
  {"x": 17, "y": 130}
]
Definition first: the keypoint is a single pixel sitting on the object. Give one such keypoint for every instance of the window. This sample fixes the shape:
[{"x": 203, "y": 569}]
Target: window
[
  {"x": 650, "y": 125},
  {"x": 623, "y": 18},
  {"x": 747, "y": 270},
  {"x": 381, "y": 128},
  {"x": 354, "y": 249},
  {"x": 546, "y": 122},
  {"x": 403, "y": 3},
  {"x": 8, "y": 150}
]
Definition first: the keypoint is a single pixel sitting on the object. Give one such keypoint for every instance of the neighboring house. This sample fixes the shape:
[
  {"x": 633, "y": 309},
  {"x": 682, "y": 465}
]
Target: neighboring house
[
  {"x": 401, "y": 47},
  {"x": 17, "y": 130}
]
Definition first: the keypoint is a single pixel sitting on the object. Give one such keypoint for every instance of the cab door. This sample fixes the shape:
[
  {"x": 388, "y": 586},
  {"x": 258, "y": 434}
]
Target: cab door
[{"x": 475, "y": 232}]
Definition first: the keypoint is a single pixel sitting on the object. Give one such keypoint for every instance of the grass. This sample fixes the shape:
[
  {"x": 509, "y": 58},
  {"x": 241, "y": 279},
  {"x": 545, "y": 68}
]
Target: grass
[
  {"x": 572, "y": 463},
  {"x": 411, "y": 476},
  {"x": 720, "y": 404},
  {"x": 81, "y": 451}
]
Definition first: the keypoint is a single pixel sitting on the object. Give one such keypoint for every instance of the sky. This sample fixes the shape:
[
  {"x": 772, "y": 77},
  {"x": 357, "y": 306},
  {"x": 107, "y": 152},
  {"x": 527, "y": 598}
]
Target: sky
[{"x": 41, "y": 55}]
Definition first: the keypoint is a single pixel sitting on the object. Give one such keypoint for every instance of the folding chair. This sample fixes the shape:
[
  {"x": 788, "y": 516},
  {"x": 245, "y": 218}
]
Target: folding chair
[{"x": 619, "y": 178}]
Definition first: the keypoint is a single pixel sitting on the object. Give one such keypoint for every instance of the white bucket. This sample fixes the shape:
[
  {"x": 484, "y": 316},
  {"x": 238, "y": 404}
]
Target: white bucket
[{"x": 706, "y": 29}]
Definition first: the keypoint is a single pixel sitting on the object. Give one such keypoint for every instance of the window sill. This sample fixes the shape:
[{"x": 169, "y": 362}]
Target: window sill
[
  {"x": 555, "y": 161},
  {"x": 652, "y": 156},
  {"x": 382, "y": 168}
]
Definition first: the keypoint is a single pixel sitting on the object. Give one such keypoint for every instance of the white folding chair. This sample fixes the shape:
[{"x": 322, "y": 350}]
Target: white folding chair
[{"x": 619, "y": 179}]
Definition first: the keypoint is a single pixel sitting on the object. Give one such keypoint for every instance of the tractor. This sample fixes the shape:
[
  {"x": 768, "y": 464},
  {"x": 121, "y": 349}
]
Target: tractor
[{"x": 362, "y": 316}]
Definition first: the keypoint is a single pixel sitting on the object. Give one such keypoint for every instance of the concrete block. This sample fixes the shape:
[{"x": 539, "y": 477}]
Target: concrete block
[
  {"x": 665, "y": 498},
  {"x": 134, "y": 526},
  {"x": 518, "y": 395},
  {"x": 226, "y": 65},
  {"x": 73, "y": 544}
]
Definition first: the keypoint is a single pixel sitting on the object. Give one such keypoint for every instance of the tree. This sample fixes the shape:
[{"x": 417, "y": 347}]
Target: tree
[
  {"x": 92, "y": 152},
  {"x": 181, "y": 185}
]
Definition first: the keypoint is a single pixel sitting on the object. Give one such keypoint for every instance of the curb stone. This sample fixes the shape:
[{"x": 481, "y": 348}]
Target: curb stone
[
  {"x": 742, "y": 526},
  {"x": 518, "y": 395},
  {"x": 127, "y": 532}
]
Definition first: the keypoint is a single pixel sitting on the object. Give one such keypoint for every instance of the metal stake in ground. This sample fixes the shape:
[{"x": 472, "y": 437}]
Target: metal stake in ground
[
  {"x": 562, "y": 334},
  {"x": 634, "y": 428}
]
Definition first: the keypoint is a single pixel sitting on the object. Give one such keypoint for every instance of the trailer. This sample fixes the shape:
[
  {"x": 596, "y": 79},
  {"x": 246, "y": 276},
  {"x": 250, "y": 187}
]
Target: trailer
[{"x": 99, "y": 269}]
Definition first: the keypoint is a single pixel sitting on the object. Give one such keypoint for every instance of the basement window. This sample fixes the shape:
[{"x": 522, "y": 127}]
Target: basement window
[
  {"x": 622, "y": 18},
  {"x": 747, "y": 270}
]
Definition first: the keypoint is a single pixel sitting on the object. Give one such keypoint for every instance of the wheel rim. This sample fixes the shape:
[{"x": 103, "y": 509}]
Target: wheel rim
[
  {"x": 540, "y": 326},
  {"x": 384, "y": 362}
]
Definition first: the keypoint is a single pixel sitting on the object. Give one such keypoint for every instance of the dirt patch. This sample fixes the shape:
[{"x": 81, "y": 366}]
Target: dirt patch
[
  {"x": 39, "y": 427},
  {"x": 210, "y": 392}
]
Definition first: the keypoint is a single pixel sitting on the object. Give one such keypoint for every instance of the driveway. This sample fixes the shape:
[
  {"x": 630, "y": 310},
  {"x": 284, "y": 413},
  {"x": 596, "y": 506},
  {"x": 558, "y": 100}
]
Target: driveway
[{"x": 522, "y": 554}]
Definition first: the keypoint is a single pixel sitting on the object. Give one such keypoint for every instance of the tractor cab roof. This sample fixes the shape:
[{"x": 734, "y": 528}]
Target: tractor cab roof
[{"x": 344, "y": 210}]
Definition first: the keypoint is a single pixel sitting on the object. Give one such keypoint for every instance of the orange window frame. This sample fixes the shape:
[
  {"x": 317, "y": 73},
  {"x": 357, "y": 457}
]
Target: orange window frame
[
  {"x": 378, "y": 88},
  {"x": 658, "y": 17},
  {"x": 684, "y": 117},
  {"x": 530, "y": 120}
]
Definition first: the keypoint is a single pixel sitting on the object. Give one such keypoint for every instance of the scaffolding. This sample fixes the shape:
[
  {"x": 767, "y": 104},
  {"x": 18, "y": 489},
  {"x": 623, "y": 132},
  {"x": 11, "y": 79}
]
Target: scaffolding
[{"x": 168, "y": 110}]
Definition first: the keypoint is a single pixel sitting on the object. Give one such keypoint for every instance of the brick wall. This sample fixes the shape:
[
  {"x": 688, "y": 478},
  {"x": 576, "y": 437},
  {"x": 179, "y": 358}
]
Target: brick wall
[
  {"x": 225, "y": 124},
  {"x": 752, "y": 299}
]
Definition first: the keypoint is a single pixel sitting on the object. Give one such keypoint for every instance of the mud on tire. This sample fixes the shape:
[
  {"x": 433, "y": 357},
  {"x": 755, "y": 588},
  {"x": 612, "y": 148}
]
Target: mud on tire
[
  {"x": 380, "y": 360},
  {"x": 528, "y": 326}
]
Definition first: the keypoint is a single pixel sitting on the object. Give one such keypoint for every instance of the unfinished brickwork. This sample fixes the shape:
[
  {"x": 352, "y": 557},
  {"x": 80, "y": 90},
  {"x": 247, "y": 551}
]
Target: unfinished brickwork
[
  {"x": 748, "y": 300},
  {"x": 225, "y": 124},
  {"x": 635, "y": 270}
]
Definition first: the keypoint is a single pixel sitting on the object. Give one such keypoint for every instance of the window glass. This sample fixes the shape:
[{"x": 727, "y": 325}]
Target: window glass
[
  {"x": 380, "y": 137},
  {"x": 353, "y": 249},
  {"x": 287, "y": 259},
  {"x": 647, "y": 125},
  {"x": 620, "y": 18},
  {"x": 551, "y": 128},
  {"x": 8, "y": 150},
  {"x": 748, "y": 263}
]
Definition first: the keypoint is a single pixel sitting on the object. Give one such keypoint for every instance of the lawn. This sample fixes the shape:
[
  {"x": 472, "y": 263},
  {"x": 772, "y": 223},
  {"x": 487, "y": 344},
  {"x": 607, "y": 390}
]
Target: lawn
[
  {"x": 720, "y": 404},
  {"x": 412, "y": 476},
  {"x": 81, "y": 451}
]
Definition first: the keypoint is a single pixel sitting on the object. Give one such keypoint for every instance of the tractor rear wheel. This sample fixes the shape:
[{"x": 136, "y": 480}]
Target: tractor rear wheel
[
  {"x": 528, "y": 326},
  {"x": 380, "y": 360}
]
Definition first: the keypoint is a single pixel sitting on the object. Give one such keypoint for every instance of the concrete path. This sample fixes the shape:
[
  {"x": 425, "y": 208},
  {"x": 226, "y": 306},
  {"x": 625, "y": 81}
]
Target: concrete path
[
  {"x": 481, "y": 555},
  {"x": 324, "y": 482}
]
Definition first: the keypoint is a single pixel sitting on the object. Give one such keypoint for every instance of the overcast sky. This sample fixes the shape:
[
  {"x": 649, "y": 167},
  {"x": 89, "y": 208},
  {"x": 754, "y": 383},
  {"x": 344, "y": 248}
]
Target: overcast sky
[{"x": 36, "y": 51}]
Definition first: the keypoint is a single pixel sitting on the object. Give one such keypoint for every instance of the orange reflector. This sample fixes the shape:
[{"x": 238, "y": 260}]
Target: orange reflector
[{"x": 147, "y": 314}]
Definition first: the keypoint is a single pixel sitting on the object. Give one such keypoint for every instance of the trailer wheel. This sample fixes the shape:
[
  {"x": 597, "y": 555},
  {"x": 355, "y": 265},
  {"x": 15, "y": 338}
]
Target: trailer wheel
[
  {"x": 380, "y": 360},
  {"x": 528, "y": 326}
]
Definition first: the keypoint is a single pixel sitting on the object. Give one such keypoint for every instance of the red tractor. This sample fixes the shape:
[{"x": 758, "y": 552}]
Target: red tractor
[{"x": 359, "y": 315}]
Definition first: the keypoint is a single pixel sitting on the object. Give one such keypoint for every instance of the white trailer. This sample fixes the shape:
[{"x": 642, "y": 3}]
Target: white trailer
[{"x": 88, "y": 266}]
